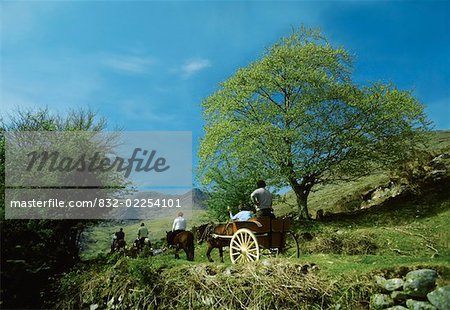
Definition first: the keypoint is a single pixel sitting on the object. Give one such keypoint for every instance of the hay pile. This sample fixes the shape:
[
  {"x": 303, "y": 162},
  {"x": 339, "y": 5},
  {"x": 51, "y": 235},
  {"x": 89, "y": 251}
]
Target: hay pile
[
  {"x": 274, "y": 283},
  {"x": 269, "y": 284}
]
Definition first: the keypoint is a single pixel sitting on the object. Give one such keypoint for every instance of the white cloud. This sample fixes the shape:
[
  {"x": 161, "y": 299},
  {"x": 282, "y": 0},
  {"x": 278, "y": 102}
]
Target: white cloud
[
  {"x": 129, "y": 64},
  {"x": 194, "y": 66}
]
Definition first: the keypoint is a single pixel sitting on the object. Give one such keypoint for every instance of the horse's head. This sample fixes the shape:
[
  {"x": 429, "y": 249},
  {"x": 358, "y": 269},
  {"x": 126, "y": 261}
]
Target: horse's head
[{"x": 168, "y": 235}]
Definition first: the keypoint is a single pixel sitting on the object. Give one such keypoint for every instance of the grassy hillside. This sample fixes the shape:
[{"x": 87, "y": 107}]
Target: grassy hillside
[
  {"x": 336, "y": 267},
  {"x": 345, "y": 196},
  {"x": 340, "y": 255}
]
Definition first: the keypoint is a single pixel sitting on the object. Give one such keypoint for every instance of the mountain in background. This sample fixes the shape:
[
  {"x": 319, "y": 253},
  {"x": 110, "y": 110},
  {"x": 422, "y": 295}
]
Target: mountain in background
[{"x": 191, "y": 200}]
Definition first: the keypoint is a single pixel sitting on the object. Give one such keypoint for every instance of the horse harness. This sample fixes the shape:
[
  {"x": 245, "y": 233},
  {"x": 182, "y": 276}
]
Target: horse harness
[{"x": 209, "y": 234}]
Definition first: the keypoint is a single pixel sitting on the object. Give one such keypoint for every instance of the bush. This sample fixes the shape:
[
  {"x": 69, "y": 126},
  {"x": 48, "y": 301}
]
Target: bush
[{"x": 359, "y": 243}]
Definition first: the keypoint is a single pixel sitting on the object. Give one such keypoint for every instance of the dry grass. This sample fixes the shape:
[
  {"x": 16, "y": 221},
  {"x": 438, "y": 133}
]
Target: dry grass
[
  {"x": 273, "y": 283},
  {"x": 270, "y": 284}
]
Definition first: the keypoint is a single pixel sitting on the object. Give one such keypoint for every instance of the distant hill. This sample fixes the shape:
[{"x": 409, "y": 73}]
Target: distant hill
[
  {"x": 198, "y": 198},
  {"x": 191, "y": 200}
]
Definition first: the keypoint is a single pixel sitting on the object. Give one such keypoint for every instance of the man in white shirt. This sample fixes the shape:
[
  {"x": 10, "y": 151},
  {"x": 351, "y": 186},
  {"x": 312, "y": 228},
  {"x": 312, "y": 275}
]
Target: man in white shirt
[
  {"x": 263, "y": 200},
  {"x": 179, "y": 225}
]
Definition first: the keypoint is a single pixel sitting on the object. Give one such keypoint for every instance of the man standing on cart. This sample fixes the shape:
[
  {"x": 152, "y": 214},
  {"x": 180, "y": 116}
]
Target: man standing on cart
[{"x": 262, "y": 199}]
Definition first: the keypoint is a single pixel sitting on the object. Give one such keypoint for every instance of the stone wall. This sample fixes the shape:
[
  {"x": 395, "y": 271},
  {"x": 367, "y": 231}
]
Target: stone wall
[{"x": 416, "y": 291}]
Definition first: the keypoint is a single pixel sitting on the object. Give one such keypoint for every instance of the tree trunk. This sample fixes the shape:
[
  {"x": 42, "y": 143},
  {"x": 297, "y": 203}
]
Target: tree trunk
[
  {"x": 302, "y": 203},
  {"x": 301, "y": 191}
]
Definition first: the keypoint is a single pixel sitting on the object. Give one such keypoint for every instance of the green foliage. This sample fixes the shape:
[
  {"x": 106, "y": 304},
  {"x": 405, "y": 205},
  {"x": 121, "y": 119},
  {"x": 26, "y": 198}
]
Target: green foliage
[
  {"x": 35, "y": 250},
  {"x": 296, "y": 117},
  {"x": 232, "y": 186}
]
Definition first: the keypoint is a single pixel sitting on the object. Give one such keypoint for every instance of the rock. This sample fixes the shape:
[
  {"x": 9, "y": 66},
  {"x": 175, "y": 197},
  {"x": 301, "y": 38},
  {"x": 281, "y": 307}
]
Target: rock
[
  {"x": 390, "y": 284},
  {"x": 440, "y": 298},
  {"x": 393, "y": 284},
  {"x": 380, "y": 281},
  {"x": 229, "y": 271},
  {"x": 397, "y": 308},
  {"x": 314, "y": 267},
  {"x": 266, "y": 263},
  {"x": 93, "y": 307},
  {"x": 380, "y": 301},
  {"x": 419, "y": 305},
  {"x": 307, "y": 267},
  {"x": 399, "y": 296},
  {"x": 420, "y": 282}
]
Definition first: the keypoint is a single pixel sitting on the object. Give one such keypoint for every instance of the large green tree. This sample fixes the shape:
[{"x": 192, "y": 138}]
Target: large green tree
[{"x": 297, "y": 113}]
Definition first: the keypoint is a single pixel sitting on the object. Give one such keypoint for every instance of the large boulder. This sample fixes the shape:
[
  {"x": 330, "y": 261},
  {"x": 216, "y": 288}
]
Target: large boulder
[
  {"x": 380, "y": 301},
  {"x": 393, "y": 284},
  {"x": 440, "y": 298},
  {"x": 379, "y": 280},
  {"x": 419, "y": 305},
  {"x": 419, "y": 283},
  {"x": 397, "y": 308}
]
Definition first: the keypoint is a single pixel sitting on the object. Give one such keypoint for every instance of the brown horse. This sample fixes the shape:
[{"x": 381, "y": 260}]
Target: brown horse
[
  {"x": 140, "y": 245},
  {"x": 183, "y": 240},
  {"x": 206, "y": 232},
  {"x": 118, "y": 245}
]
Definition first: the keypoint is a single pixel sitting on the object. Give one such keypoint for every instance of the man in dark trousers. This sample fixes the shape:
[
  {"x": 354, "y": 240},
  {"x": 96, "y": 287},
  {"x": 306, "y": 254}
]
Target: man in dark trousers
[
  {"x": 179, "y": 225},
  {"x": 142, "y": 234},
  {"x": 118, "y": 235},
  {"x": 263, "y": 200}
]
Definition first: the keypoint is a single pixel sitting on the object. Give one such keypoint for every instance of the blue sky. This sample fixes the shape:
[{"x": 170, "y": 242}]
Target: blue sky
[{"x": 148, "y": 65}]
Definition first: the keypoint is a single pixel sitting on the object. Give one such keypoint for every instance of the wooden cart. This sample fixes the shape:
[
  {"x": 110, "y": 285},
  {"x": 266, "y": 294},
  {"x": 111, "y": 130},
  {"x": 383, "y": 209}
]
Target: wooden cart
[{"x": 251, "y": 238}]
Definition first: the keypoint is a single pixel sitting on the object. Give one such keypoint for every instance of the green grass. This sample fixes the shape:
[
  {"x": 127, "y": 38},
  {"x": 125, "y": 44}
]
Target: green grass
[
  {"x": 352, "y": 265},
  {"x": 439, "y": 140}
]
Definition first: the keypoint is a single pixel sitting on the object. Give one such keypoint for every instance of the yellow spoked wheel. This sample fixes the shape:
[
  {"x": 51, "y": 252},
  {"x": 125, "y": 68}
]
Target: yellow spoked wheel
[{"x": 244, "y": 247}]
